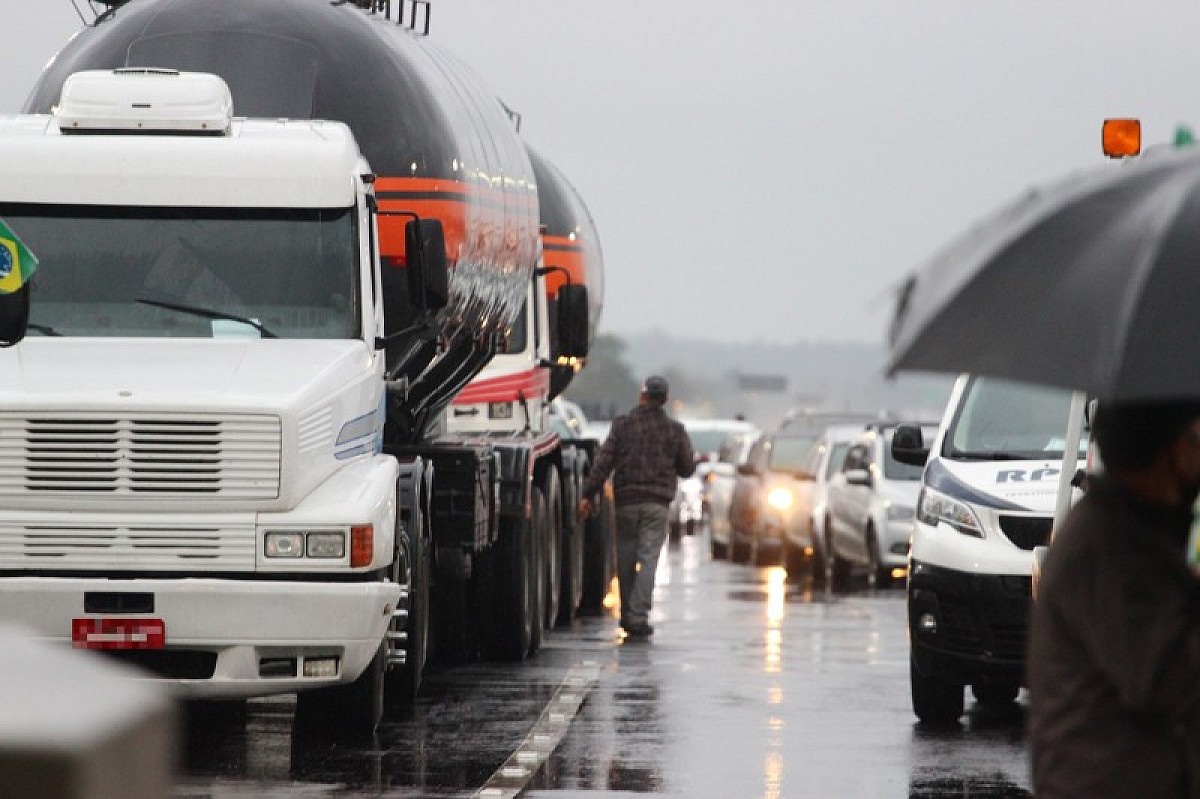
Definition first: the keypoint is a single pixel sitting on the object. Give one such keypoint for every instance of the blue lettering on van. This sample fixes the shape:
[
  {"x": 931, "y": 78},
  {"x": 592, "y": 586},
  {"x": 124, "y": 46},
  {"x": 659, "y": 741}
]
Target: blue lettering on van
[{"x": 1026, "y": 475}]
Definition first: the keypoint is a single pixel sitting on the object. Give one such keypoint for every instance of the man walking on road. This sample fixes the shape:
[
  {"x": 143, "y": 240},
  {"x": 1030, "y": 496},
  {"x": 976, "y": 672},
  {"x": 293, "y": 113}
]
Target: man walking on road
[
  {"x": 1114, "y": 650},
  {"x": 646, "y": 451}
]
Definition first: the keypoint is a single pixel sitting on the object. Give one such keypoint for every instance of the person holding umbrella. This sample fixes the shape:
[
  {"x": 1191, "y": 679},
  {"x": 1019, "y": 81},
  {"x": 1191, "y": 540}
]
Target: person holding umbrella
[
  {"x": 1090, "y": 284},
  {"x": 1114, "y": 650}
]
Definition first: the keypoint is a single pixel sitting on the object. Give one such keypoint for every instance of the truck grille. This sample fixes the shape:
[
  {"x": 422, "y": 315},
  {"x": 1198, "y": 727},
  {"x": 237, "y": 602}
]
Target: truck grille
[
  {"x": 159, "y": 455},
  {"x": 169, "y": 547}
]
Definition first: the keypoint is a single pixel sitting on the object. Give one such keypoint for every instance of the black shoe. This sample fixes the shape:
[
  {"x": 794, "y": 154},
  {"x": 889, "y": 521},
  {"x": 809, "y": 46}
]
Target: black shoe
[{"x": 642, "y": 630}]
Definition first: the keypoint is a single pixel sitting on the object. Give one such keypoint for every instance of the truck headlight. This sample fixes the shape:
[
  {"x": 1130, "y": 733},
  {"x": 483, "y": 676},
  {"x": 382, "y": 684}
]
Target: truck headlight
[
  {"x": 780, "y": 498},
  {"x": 325, "y": 545},
  {"x": 284, "y": 545},
  {"x": 934, "y": 508}
]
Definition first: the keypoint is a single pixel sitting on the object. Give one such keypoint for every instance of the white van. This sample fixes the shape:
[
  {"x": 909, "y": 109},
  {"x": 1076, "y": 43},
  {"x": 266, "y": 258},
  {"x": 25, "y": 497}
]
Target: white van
[{"x": 988, "y": 496}]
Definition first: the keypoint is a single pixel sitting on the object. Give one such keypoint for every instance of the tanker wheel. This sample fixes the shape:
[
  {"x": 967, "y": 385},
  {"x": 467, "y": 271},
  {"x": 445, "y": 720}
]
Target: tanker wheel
[
  {"x": 538, "y": 570},
  {"x": 599, "y": 557},
  {"x": 571, "y": 592},
  {"x": 554, "y": 546},
  {"x": 512, "y": 611}
]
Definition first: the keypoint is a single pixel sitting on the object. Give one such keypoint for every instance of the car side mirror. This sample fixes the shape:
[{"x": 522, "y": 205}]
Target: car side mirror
[
  {"x": 425, "y": 259},
  {"x": 859, "y": 477},
  {"x": 908, "y": 445}
]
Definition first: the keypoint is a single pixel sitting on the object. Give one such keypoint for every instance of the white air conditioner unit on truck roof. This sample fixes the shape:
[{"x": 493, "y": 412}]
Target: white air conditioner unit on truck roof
[{"x": 145, "y": 101}]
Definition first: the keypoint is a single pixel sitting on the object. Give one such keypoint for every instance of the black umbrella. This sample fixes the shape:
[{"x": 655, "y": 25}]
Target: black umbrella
[{"x": 1092, "y": 284}]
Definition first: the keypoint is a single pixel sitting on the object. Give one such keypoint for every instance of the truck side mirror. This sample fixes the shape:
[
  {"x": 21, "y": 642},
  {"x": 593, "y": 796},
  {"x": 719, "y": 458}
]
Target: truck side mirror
[
  {"x": 572, "y": 321},
  {"x": 425, "y": 256},
  {"x": 908, "y": 445}
]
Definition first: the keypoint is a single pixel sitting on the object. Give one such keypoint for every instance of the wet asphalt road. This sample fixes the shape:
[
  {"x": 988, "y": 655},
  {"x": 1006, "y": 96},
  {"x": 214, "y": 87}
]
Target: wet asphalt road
[{"x": 751, "y": 687}]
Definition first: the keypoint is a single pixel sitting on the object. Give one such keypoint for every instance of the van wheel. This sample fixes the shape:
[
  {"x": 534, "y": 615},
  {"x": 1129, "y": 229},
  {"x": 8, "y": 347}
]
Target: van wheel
[{"x": 935, "y": 702}]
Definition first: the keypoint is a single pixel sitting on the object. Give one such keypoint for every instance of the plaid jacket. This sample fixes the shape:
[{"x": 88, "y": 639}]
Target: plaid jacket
[{"x": 645, "y": 451}]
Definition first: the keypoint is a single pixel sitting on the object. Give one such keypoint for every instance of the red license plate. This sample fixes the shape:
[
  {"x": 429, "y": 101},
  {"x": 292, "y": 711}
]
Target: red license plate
[{"x": 118, "y": 633}]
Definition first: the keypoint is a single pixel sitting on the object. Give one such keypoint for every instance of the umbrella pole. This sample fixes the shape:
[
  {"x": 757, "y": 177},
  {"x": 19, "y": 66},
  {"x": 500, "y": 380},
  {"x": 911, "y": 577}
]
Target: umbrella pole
[{"x": 1070, "y": 461}]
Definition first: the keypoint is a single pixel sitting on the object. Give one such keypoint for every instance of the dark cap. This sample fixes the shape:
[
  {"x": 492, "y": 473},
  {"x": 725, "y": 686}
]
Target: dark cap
[{"x": 656, "y": 388}]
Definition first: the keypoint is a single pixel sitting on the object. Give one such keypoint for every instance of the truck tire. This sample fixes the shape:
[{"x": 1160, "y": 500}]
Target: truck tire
[
  {"x": 404, "y": 682},
  {"x": 552, "y": 491},
  {"x": 935, "y": 702},
  {"x": 510, "y": 632},
  {"x": 570, "y": 593},
  {"x": 352, "y": 710},
  {"x": 600, "y": 556},
  {"x": 539, "y": 571}
]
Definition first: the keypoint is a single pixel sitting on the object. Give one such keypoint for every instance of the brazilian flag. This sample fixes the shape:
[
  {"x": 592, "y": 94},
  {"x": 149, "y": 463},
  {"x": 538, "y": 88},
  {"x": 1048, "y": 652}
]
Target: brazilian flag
[{"x": 16, "y": 261}]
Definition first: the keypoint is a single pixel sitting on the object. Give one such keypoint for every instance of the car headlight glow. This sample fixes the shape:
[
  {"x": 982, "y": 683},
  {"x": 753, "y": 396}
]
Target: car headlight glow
[
  {"x": 780, "y": 498},
  {"x": 934, "y": 508}
]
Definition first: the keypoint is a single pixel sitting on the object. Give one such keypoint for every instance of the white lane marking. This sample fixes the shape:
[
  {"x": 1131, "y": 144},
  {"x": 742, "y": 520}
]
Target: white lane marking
[{"x": 514, "y": 774}]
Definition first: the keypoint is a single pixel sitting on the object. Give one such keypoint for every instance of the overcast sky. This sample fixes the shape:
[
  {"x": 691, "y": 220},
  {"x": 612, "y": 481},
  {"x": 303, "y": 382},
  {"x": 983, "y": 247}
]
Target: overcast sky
[{"x": 768, "y": 170}]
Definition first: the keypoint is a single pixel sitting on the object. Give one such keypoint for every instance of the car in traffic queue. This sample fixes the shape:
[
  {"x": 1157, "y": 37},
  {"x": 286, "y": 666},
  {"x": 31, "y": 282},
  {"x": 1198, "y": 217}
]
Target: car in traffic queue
[
  {"x": 804, "y": 541},
  {"x": 764, "y": 503},
  {"x": 870, "y": 508},
  {"x": 691, "y": 509},
  {"x": 719, "y": 482}
]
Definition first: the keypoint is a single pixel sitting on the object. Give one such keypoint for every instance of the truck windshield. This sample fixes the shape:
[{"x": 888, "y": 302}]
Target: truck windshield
[
  {"x": 291, "y": 272},
  {"x": 1003, "y": 420}
]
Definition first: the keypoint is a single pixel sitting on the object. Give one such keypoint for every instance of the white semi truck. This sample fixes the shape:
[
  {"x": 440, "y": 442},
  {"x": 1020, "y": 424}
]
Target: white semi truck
[
  {"x": 191, "y": 444},
  {"x": 510, "y": 276}
]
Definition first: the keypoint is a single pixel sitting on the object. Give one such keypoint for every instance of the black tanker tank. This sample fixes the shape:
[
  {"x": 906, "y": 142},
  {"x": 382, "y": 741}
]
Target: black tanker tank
[
  {"x": 571, "y": 252},
  {"x": 442, "y": 146}
]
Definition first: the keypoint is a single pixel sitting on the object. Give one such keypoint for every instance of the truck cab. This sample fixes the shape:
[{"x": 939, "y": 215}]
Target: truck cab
[{"x": 192, "y": 424}]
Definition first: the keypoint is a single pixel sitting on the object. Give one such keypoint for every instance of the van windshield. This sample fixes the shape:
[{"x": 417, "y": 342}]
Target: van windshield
[
  {"x": 1003, "y": 420},
  {"x": 190, "y": 272}
]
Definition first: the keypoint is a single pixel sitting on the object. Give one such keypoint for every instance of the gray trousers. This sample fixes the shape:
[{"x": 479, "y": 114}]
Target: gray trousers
[{"x": 641, "y": 532}]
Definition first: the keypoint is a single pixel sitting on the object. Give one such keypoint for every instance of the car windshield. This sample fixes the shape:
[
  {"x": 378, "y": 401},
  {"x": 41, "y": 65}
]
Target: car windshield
[
  {"x": 709, "y": 439},
  {"x": 837, "y": 456},
  {"x": 790, "y": 453},
  {"x": 194, "y": 272},
  {"x": 1000, "y": 419}
]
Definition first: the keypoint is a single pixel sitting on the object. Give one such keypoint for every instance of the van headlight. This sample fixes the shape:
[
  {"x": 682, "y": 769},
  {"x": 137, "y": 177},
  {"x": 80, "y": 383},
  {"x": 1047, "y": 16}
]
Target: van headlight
[{"x": 934, "y": 508}]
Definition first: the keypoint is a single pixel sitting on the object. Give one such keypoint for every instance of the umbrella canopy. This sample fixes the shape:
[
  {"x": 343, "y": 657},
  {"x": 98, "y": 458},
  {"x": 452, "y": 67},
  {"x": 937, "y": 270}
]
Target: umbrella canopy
[{"x": 1092, "y": 283}]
